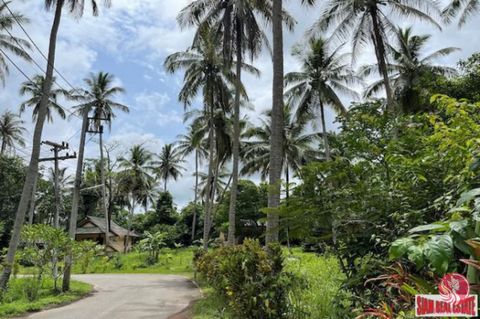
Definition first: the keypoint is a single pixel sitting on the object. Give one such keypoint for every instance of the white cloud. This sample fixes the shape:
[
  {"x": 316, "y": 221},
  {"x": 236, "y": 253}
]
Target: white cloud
[{"x": 135, "y": 37}]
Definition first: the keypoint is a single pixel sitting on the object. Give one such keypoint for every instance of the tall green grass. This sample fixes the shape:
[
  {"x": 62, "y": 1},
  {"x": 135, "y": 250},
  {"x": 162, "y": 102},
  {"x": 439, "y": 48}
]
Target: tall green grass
[
  {"x": 17, "y": 300},
  {"x": 316, "y": 298},
  {"x": 171, "y": 261},
  {"x": 323, "y": 278}
]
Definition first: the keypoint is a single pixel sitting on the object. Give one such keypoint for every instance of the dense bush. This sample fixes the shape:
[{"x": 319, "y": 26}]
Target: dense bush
[{"x": 250, "y": 279}]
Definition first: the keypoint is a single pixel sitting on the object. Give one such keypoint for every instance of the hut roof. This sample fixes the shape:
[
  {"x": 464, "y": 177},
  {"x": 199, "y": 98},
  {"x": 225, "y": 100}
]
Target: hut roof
[{"x": 100, "y": 227}]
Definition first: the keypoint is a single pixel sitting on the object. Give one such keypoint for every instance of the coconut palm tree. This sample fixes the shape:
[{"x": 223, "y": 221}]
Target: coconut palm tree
[
  {"x": 222, "y": 181},
  {"x": 298, "y": 147},
  {"x": 463, "y": 9},
  {"x": 136, "y": 176},
  {"x": 8, "y": 42},
  {"x": 77, "y": 7},
  {"x": 169, "y": 164},
  {"x": 236, "y": 21},
  {"x": 370, "y": 22},
  {"x": 205, "y": 71},
  {"x": 298, "y": 144},
  {"x": 407, "y": 68},
  {"x": 34, "y": 90},
  {"x": 11, "y": 131},
  {"x": 98, "y": 97},
  {"x": 324, "y": 75},
  {"x": 193, "y": 142},
  {"x": 276, "y": 141}
]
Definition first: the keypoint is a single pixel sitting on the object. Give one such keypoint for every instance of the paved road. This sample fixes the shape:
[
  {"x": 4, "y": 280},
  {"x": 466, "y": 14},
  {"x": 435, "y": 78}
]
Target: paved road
[{"x": 128, "y": 297}]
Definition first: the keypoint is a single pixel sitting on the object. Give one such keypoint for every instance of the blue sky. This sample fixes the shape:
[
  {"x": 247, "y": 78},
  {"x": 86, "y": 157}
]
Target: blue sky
[{"x": 131, "y": 40}]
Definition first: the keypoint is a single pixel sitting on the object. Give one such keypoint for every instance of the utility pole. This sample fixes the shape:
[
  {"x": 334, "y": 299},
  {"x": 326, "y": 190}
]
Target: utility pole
[
  {"x": 72, "y": 228},
  {"x": 102, "y": 173},
  {"x": 56, "y": 148}
]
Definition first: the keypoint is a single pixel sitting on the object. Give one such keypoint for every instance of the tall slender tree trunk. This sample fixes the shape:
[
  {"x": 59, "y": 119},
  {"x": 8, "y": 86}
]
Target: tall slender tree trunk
[
  {"x": 213, "y": 192},
  {"x": 33, "y": 166},
  {"x": 276, "y": 139},
  {"x": 72, "y": 223},
  {"x": 236, "y": 136},
  {"x": 129, "y": 227},
  {"x": 208, "y": 201},
  {"x": 4, "y": 146},
  {"x": 227, "y": 35},
  {"x": 326, "y": 144},
  {"x": 194, "y": 222},
  {"x": 33, "y": 200},
  {"x": 165, "y": 185},
  {"x": 110, "y": 190},
  {"x": 287, "y": 196},
  {"x": 104, "y": 191},
  {"x": 380, "y": 52}
]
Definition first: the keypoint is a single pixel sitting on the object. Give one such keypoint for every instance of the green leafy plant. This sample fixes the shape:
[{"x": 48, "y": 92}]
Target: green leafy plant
[
  {"x": 152, "y": 244},
  {"x": 45, "y": 248},
  {"x": 250, "y": 279}
]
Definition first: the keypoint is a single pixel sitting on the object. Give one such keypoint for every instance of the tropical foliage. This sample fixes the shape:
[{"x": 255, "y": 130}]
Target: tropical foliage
[{"x": 387, "y": 193}]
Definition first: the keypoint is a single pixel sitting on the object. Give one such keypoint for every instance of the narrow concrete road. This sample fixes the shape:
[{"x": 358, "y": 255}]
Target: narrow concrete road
[{"x": 128, "y": 297}]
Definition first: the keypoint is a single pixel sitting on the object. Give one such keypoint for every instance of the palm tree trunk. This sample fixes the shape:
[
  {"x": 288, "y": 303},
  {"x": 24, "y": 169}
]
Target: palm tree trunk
[
  {"x": 276, "y": 139},
  {"x": 236, "y": 137},
  {"x": 33, "y": 199},
  {"x": 110, "y": 191},
  {"x": 33, "y": 166},
  {"x": 287, "y": 196},
  {"x": 324, "y": 132},
  {"x": 208, "y": 201},
  {"x": 4, "y": 146},
  {"x": 227, "y": 36},
  {"x": 72, "y": 227},
  {"x": 194, "y": 222},
  {"x": 104, "y": 190},
  {"x": 129, "y": 222},
  {"x": 381, "y": 56},
  {"x": 165, "y": 184}
]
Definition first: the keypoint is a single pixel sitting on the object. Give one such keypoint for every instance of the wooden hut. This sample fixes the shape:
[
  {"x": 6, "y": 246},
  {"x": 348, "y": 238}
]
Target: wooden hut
[{"x": 93, "y": 228}]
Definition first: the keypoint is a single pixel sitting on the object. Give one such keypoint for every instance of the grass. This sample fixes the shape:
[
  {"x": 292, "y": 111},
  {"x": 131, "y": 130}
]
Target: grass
[
  {"x": 176, "y": 262},
  {"x": 210, "y": 307},
  {"x": 16, "y": 300},
  {"x": 323, "y": 279}
]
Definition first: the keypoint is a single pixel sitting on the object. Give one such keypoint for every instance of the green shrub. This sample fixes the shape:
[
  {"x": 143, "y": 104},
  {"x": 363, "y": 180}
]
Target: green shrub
[
  {"x": 84, "y": 254},
  {"x": 249, "y": 279}
]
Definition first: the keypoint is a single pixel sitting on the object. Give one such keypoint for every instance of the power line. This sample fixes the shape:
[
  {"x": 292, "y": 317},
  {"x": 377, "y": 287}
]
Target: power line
[
  {"x": 35, "y": 45},
  {"x": 23, "y": 48},
  {"x": 42, "y": 54},
  {"x": 39, "y": 67},
  {"x": 75, "y": 134},
  {"x": 15, "y": 65}
]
